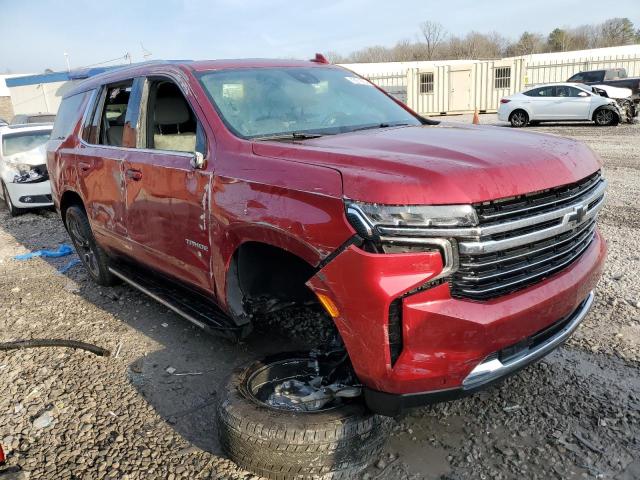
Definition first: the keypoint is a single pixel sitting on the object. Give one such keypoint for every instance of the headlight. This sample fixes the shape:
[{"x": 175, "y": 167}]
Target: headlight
[
  {"x": 30, "y": 173},
  {"x": 420, "y": 228},
  {"x": 366, "y": 217}
]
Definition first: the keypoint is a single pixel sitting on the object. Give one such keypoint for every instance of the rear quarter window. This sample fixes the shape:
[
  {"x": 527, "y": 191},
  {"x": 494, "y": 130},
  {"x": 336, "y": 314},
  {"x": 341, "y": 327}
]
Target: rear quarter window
[{"x": 68, "y": 116}]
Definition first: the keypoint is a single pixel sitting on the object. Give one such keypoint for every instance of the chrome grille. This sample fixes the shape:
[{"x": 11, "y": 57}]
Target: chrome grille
[
  {"x": 535, "y": 203},
  {"x": 558, "y": 225},
  {"x": 518, "y": 241}
]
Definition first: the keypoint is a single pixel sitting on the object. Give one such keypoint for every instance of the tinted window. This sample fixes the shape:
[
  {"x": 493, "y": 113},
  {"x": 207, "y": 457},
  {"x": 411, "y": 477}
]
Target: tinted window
[
  {"x": 566, "y": 91},
  {"x": 256, "y": 102},
  {"x": 541, "y": 92},
  {"x": 68, "y": 115},
  {"x": 23, "y": 142}
]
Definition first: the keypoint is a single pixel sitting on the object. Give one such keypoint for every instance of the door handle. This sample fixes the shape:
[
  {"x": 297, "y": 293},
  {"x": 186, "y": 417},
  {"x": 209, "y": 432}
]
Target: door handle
[
  {"x": 84, "y": 166},
  {"x": 133, "y": 174}
]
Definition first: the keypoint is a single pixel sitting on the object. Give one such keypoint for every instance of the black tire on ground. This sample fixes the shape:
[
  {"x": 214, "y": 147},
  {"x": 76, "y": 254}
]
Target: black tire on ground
[
  {"x": 519, "y": 118},
  {"x": 332, "y": 444},
  {"x": 13, "y": 210},
  {"x": 605, "y": 117},
  {"x": 93, "y": 257}
]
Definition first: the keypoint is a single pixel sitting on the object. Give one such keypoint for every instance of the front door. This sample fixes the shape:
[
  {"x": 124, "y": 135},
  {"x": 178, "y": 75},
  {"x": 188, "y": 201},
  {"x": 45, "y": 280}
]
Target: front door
[
  {"x": 166, "y": 197},
  {"x": 571, "y": 103},
  {"x": 460, "y": 90}
]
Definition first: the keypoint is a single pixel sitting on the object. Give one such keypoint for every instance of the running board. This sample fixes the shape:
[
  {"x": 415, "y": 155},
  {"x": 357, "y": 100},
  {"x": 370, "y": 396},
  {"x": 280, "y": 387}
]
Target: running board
[{"x": 185, "y": 302}]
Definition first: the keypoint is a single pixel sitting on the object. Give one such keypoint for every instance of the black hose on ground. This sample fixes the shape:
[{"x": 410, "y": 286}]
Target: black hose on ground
[{"x": 47, "y": 342}]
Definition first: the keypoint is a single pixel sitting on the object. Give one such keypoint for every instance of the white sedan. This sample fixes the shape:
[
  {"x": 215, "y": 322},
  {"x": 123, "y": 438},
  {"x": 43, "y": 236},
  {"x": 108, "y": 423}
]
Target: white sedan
[
  {"x": 24, "y": 179},
  {"x": 558, "y": 102}
]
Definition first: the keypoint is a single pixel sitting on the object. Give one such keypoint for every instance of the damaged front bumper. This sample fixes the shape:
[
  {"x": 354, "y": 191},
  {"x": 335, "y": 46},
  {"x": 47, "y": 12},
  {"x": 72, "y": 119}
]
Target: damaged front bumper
[
  {"x": 445, "y": 347},
  {"x": 30, "y": 195}
]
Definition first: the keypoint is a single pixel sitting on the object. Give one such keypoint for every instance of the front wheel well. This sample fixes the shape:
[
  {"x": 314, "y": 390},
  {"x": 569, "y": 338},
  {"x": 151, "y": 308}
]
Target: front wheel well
[
  {"x": 267, "y": 285},
  {"x": 605, "y": 107},
  {"x": 68, "y": 199}
]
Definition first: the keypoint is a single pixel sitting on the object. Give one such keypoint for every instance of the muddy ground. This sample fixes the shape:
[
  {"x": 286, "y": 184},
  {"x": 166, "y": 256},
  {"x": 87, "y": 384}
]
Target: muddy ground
[{"x": 71, "y": 415}]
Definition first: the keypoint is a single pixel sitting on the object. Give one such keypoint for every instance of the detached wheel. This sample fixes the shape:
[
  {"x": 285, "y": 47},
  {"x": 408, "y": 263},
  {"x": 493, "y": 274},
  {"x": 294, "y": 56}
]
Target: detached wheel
[
  {"x": 519, "y": 119},
  {"x": 93, "y": 257},
  {"x": 605, "y": 117},
  {"x": 265, "y": 427},
  {"x": 13, "y": 210}
]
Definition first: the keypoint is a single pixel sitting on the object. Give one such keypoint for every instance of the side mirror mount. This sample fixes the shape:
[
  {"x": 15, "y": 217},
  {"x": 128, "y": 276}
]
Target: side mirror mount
[{"x": 197, "y": 161}]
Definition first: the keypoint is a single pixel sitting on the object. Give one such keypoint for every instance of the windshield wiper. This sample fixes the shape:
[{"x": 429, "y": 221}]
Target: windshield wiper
[
  {"x": 289, "y": 136},
  {"x": 379, "y": 125}
]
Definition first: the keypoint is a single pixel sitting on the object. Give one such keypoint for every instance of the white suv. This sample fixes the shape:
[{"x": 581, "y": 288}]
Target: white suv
[
  {"x": 23, "y": 167},
  {"x": 558, "y": 102}
]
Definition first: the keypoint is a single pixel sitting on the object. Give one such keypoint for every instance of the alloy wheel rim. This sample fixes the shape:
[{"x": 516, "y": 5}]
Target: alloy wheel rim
[
  {"x": 604, "y": 117},
  {"x": 83, "y": 247},
  {"x": 518, "y": 119}
]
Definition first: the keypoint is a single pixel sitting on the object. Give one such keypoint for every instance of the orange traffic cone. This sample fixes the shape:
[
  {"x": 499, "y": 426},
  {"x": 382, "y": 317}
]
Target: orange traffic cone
[{"x": 476, "y": 117}]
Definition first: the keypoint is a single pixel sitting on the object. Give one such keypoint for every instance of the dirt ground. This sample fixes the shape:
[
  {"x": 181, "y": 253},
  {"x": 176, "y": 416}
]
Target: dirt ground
[{"x": 71, "y": 415}]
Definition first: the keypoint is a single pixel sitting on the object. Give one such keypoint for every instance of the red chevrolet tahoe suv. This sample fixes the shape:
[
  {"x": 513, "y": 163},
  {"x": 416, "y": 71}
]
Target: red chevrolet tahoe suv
[{"x": 448, "y": 256}]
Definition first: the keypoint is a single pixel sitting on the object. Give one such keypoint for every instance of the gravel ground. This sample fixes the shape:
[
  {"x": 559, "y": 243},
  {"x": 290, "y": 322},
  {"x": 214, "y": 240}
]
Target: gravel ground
[{"x": 149, "y": 411}]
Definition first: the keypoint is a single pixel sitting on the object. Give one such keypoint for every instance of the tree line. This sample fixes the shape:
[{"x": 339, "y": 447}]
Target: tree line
[{"x": 435, "y": 43}]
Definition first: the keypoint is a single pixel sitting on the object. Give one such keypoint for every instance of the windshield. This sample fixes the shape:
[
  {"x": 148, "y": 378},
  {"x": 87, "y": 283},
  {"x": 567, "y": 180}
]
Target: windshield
[
  {"x": 23, "y": 142},
  {"x": 262, "y": 102}
]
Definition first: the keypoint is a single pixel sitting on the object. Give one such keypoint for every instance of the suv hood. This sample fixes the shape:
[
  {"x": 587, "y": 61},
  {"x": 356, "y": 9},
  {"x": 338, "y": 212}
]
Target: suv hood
[{"x": 444, "y": 164}]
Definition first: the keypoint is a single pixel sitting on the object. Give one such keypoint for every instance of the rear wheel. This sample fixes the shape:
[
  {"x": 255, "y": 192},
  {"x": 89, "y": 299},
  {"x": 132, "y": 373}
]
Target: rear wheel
[
  {"x": 276, "y": 421},
  {"x": 519, "y": 119},
  {"x": 13, "y": 210},
  {"x": 605, "y": 117},
  {"x": 93, "y": 257}
]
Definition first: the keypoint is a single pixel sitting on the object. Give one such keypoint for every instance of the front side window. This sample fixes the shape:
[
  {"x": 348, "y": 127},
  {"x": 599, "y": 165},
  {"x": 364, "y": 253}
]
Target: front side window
[
  {"x": 566, "y": 91},
  {"x": 23, "y": 142},
  {"x": 502, "y": 77},
  {"x": 170, "y": 122},
  {"x": 262, "y": 102}
]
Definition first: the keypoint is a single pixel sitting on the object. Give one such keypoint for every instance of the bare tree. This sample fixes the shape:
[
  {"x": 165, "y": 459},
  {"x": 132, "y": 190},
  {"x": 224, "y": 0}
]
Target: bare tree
[
  {"x": 434, "y": 34},
  {"x": 438, "y": 45},
  {"x": 528, "y": 44},
  {"x": 617, "y": 31}
]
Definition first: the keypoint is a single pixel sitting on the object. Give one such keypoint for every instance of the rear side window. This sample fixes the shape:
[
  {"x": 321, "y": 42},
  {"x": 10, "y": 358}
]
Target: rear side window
[
  {"x": 114, "y": 113},
  {"x": 68, "y": 115}
]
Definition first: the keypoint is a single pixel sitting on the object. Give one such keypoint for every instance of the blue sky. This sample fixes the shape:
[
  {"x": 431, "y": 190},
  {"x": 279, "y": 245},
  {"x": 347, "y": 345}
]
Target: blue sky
[{"x": 95, "y": 31}]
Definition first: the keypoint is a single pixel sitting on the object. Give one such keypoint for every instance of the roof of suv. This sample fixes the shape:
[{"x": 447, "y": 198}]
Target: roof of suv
[{"x": 128, "y": 71}]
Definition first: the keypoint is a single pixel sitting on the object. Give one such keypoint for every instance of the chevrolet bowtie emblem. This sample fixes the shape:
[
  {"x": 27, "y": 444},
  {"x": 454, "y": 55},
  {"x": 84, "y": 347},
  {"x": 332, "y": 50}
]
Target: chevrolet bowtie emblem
[{"x": 578, "y": 214}]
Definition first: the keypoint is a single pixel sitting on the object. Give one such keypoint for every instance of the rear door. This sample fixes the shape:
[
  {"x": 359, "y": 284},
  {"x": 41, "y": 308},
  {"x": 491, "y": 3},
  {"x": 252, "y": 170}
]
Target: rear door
[
  {"x": 99, "y": 163},
  {"x": 167, "y": 199},
  {"x": 540, "y": 103}
]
